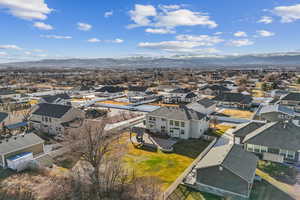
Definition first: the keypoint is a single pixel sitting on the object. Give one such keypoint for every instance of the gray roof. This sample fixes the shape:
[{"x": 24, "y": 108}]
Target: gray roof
[
  {"x": 228, "y": 167},
  {"x": 233, "y": 158},
  {"x": 292, "y": 97},
  {"x": 234, "y": 98},
  {"x": 178, "y": 113},
  {"x": 18, "y": 142},
  {"x": 206, "y": 102},
  {"x": 279, "y": 135},
  {"x": 275, "y": 108},
  {"x": 247, "y": 128},
  {"x": 53, "y": 98},
  {"x": 3, "y": 116},
  {"x": 51, "y": 110}
]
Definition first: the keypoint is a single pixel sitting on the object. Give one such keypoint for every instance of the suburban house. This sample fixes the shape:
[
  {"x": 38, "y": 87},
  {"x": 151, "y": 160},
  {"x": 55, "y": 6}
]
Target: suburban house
[
  {"x": 49, "y": 118},
  {"x": 9, "y": 93},
  {"x": 233, "y": 100},
  {"x": 213, "y": 89},
  {"x": 137, "y": 94},
  {"x": 291, "y": 100},
  {"x": 3, "y": 119},
  {"x": 227, "y": 171},
  {"x": 271, "y": 113},
  {"x": 205, "y": 106},
  {"x": 180, "y": 95},
  {"x": 136, "y": 91},
  {"x": 62, "y": 99},
  {"x": 277, "y": 94},
  {"x": 83, "y": 89},
  {"x": 110, "y": 91},
  {"x": 275, "y": 141},
  {"x": 241, "y": 131},
  {"x": 13, "y": 147},
  {"x": 178, "y": 122}
]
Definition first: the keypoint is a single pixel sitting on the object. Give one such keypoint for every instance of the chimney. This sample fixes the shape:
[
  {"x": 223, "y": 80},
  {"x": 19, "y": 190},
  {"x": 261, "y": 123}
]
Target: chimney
[{"x": 285, "y": 122}]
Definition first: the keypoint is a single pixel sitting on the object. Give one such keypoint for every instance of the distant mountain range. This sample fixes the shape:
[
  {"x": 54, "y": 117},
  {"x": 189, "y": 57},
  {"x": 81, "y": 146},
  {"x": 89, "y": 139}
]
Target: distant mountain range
[{"x": 273, "y": 59}]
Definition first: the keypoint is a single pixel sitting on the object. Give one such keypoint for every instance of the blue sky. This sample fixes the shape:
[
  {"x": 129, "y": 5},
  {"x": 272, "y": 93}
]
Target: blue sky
[{"x": 41, "y": 29}]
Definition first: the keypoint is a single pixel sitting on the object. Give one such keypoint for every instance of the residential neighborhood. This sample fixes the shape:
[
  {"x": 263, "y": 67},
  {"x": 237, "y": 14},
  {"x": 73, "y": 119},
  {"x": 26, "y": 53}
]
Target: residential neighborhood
[
  {"x": 222, "y": 142},
  {"x": 149, "y": 100}
]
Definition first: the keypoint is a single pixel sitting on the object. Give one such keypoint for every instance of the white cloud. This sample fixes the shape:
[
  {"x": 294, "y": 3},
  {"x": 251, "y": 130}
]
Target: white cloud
[
  {"x": 170, "y": 7},
  {"x": 159, "y": 30},
  {"x": 28, "y": 53},
  {"x": 241, "y": 42},
  {"x": 184, "y": 17},
  {"x": 240, "y": 34},
  {"x": 38, "y": 50},
  {"x": 43, "y": 26},
  {"x": 56, "y": 37},
  {"x": 10, "y": 46},
  {"x": 177, "y": 46},
  {"x": 288, "y": 14},
  {"x": 140, "y": 15},
  {"x": 168, "y": 17},
  {"x": 265, "y": 20},
  {"x": 203, "y": 40},
  {"x": 27, "y": 9},
  {"x": 108, "y": 14},
  {"x": 83, "y": 26},
  {"x": 94, "y": 40},
  {"x": 264, "y": 33},
  {"x": 2, "y": 53},
  {"x": 218, "y": 33},
  {"x": 117, "y": 40}
]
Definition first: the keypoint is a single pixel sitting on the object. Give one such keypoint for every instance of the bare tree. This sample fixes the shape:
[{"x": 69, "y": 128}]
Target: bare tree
[
  {"x": 102, "y": 175},
  {"x": 16, "y": 193}
]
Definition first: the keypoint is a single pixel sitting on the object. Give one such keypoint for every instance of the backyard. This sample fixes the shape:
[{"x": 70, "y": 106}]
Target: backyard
[
  {"x": 279, "y": 171},
  {"x": 237, "y": 113},
  {"x": 165, "y": 166}
]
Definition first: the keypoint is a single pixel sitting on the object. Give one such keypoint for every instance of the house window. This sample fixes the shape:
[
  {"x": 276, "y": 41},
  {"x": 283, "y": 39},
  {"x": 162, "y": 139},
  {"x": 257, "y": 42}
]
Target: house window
[
  {"x": 291, "y": 154},
  {"x": 152, "y": 118},
  {"x": 171, "y": 122},
  {"x": 283, "y": 152},
  {"x": 50, "y": 120},
  {"x": 176, "y": 123},
  {"x": 182, "y": 132},
  {"x": 263, "y": 149},
  {"x": 250, "y": 147},
  {"x": 162, "y": 119},
  {"x": 182, "y": 124},
  {"x": 256, "y": 148},
  {"x": 46, "y": 119}
]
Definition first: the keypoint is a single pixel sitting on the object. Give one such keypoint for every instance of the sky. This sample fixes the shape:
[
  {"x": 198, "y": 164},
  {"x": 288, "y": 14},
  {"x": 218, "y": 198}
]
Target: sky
[{"x": 47, "y": 29}]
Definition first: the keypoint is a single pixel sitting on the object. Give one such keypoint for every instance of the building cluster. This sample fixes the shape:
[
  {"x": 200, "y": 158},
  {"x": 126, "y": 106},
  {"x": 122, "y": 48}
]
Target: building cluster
[{"x": 178, "y": 104}]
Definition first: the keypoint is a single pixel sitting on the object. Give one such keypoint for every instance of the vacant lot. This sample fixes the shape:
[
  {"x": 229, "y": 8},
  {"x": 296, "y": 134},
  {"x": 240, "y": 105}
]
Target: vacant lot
[
  {"x": 114, "y": 102},
  {"x": 220, "y": 129},
  {"x": 237, "y": 113},
  {"x": 165, "y": 166}
]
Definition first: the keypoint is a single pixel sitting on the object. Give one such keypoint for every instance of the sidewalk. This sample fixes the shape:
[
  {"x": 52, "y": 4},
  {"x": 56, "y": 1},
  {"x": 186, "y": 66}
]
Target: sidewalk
[{"x": 288, "y": 189}]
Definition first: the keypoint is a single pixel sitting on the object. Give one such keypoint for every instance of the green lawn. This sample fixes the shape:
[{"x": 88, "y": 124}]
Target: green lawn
[
  {"x": 263, "y": 190},
  {"x": 164, "y": 166},
  {"x": 278, "y": 171}
]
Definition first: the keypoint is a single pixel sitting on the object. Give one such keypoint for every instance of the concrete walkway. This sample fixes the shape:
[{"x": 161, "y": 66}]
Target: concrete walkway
[{"x": 288, "y": 189}]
